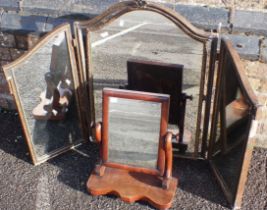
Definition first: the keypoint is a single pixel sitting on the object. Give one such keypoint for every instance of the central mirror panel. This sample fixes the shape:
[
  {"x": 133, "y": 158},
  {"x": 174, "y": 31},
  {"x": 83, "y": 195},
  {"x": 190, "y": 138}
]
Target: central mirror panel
[
  {"x": 148, "y": 37},
  {"x": 134, "y": 132}
]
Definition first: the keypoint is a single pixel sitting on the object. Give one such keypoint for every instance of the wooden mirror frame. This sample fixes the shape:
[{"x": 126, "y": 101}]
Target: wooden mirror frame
[
  {"x": 119, "y": 9},
  {"x": 229, "y": 54},
  {"x": 12, "y": 87},
  {"x": 142, "y": 96}
]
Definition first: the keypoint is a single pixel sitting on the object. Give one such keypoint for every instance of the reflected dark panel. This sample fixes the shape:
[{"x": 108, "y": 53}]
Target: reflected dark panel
[
  {"x": 134, "y": 131},
  {"x": 45, "y": 86},
  {"x": 159, "y": 78}
]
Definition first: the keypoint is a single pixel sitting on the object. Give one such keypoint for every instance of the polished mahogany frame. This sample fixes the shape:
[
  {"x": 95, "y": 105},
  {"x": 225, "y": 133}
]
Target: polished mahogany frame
[
  {"x": 136, "y": 95},
  {"x": 119, "y": 9},
  {"x": 157, "y": 186},
  {"x": 12, "y": 86}
]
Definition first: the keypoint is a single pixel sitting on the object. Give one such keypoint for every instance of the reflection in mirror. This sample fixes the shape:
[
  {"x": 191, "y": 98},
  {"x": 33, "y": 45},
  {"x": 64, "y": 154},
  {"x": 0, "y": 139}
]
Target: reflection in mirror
[
  {"x": 146, "y": 36},
  {"x": 45, "y": 89},
  {"x": 134, "y": 132}
]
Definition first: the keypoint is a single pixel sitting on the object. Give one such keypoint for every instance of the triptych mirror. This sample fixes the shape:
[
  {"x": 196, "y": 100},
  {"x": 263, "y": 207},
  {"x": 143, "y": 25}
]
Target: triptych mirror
[{"x": 138, "y": 46}]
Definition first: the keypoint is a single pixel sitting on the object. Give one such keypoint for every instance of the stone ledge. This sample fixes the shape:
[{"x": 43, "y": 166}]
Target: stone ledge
[
  {"x": 251, "y": 22},
  {"x": 207, "y": 18},
  {"x": 246, "y": 46},
  {"x": 11, "y": 5}
]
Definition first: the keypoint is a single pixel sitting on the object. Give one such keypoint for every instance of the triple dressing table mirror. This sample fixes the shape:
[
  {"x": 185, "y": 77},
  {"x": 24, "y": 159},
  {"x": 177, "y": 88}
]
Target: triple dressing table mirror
[{"x": 141, "y": 47}]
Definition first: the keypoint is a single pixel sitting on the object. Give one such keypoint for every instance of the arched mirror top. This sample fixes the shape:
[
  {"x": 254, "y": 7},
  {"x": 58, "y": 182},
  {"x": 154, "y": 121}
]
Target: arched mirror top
[{"x": 125, "y": 7}]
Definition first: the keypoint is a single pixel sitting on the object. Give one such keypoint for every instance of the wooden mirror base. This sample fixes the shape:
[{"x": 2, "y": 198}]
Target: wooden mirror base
[{"x": 133, "y": 186}]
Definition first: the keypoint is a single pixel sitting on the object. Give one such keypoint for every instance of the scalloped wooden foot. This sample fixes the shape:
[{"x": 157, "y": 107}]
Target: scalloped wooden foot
[{"x": 133, "y": 186}]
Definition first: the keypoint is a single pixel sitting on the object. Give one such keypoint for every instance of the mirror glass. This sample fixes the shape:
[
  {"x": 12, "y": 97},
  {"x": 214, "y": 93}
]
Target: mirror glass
[
  {"x": 134, "y": 132},
  {"x": 44, "y": 85},
  {"x": 147, "y": 37},
  {"x": 233, "y": 126}
]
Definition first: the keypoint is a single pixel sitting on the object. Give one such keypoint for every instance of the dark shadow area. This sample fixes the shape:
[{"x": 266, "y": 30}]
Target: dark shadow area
[
  {"x": 196, "y": 178},
  {"x": 76, "y": 165},
  {"x": 12, "y": 140}
]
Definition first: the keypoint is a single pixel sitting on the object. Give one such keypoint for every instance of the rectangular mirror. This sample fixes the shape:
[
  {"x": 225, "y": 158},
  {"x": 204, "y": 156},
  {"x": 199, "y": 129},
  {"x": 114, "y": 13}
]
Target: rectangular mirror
[
  {"x": 134, "y": 123},
  {"x": 134, "y": 132},
  {"x": 44, "y": 83}
]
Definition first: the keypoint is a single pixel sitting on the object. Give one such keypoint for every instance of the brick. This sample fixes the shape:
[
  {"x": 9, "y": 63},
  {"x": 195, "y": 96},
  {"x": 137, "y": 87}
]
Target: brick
[
  {"x": 7, "y": 102},
  {"x": 16, "y": 53},
  {"x": 2, "y": 63},
  {"x": 3, "y": 84},
  {"x": 250, "y": 22},
  {"x": 7, "y": 40},
  {"x": 26, "y": 41},
  {"x": 205, "y": 17},
  {"x": 247, "y": 46},
  {"x": 5, "y": 54}
]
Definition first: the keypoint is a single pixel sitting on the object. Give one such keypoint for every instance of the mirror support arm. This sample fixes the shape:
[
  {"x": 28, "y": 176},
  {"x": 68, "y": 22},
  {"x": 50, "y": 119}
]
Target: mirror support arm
[
  {"x": 98, "y": 132},
  {"x": 168, "y": 162},
  {"x": 100, "y": 168}
]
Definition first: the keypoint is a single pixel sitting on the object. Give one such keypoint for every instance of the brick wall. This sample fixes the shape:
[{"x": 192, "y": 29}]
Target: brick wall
[
  {"x": 256, "y": 72},
  {"x": 12, "y": 46}
]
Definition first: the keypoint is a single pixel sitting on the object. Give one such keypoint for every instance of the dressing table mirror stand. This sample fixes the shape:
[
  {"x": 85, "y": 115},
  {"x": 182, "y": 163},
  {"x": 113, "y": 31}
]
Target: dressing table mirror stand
[{"x": 137, "y": 180}]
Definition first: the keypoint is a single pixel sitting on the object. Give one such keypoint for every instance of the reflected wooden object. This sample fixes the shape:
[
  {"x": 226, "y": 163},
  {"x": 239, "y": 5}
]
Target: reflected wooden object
[
  {"x": 54, "y": 101},
  {"x": 132, "y": 181},
  {"x": 235, "y": 111}
]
